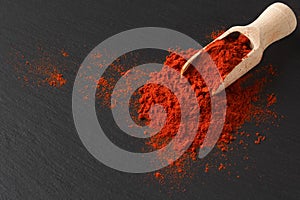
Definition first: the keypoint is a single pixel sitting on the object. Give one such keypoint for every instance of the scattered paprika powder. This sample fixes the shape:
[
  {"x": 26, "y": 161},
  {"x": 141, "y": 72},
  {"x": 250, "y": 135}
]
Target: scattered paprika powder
[{"x": 242, "y": 99}]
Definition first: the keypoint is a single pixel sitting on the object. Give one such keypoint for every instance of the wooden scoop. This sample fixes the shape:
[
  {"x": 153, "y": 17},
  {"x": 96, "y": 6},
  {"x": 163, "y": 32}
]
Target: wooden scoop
[{"x": 275, "y": 23}]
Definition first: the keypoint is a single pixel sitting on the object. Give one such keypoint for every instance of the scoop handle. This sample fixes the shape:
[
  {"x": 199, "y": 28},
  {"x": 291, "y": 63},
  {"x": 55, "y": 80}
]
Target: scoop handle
[{"x": 275, "y": 23}]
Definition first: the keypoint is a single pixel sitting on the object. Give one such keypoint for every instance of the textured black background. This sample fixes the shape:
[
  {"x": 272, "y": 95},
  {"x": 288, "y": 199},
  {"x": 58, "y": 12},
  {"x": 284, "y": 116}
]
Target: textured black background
[{"x": 41, "y": 156}]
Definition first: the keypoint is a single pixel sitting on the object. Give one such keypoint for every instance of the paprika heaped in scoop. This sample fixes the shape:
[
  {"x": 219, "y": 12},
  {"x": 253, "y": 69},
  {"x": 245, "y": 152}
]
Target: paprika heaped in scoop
[{"x": 275, "y": 23}]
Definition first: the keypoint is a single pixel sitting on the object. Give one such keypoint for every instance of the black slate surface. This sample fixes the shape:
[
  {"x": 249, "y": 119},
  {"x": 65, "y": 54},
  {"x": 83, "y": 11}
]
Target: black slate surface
[{"x": 41, "y": 155}]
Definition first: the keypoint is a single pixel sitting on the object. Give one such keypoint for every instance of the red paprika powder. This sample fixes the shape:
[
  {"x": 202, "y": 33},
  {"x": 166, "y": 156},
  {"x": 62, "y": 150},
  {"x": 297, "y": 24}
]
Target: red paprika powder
[
  {"x": 226, "y": 54},
  {"x": 242, "y": 99}
]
